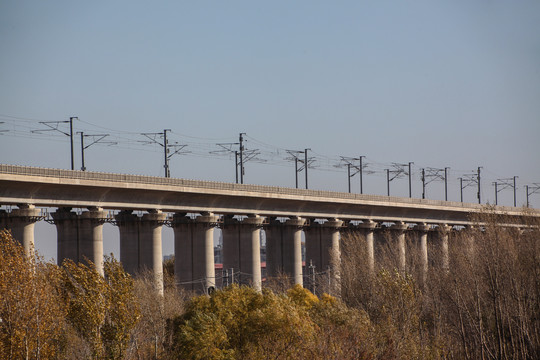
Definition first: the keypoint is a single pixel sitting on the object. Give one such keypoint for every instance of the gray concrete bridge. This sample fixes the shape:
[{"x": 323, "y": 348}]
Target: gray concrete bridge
[{"x": 168, "y": 201}]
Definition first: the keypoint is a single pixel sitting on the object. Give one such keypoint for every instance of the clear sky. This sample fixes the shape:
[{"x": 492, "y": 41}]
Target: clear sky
[{"x": 439, "y": 83}]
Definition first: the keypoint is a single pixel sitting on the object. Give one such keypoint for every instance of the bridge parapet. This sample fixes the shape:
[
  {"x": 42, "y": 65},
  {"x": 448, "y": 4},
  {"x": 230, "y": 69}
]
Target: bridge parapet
[{"x": 35, "y": 175}]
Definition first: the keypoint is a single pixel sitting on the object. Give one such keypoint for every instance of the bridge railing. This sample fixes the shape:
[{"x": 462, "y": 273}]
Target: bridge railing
[{"x": 155, "y": 180}]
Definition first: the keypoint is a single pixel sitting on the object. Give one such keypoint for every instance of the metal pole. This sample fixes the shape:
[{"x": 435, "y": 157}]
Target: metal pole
[
  {"x": 495, "y": 183},
  {"x": 446, "y": 184},
  {"x": 410, "y": 188},
  {"x": 461, "y": 187},
  {"x": 83, "y": 168},
  {"x": 527, "y": 189},
  {"x": 236, "y": 164},
  {"x": 423, "y": 183},
  {"x": 361, "y": 189},
  {"x": 241, "y": 158},
  {"x": 296, "y": 171},
  {"x": 349, "y": 176},
  {"x": 479, "y": 193},
  {"x": 388, "y": 182},
  {"x": 71, "y": 138},
  {"x": 165, "y": 151},
  {"x": 515, "y": 191},
  {"x": 306, "y": 165}
]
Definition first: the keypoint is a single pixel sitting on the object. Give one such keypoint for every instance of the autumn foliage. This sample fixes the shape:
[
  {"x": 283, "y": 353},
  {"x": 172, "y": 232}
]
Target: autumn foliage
[
  {"x": 29, "y": 305},
  {"x": 485, "y": 305},
  {"x": 240, "y": 323},
  {"x": 50, "y": 312}
]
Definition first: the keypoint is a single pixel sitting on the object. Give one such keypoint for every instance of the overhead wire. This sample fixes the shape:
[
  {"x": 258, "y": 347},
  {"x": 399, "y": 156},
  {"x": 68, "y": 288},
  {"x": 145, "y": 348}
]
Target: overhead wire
[{"x": 209, "y": 148}]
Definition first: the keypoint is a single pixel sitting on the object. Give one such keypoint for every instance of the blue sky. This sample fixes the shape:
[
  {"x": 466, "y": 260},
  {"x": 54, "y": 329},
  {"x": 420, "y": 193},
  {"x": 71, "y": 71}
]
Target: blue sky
[{"x": 439, "y": 83}]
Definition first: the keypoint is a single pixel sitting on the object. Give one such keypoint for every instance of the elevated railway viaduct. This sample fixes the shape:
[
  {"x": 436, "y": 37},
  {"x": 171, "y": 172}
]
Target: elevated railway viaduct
[{"x": 240, "y": 210}]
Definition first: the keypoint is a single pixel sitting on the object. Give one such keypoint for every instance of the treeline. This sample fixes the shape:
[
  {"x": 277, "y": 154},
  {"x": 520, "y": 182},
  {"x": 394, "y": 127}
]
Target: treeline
[
  {"x": 485, "y": 306},
  {"x": 72, "y": 312}
]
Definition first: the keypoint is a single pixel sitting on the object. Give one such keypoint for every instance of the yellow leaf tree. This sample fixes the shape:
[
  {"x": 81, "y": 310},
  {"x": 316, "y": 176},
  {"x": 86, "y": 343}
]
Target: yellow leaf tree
[
  {"x": 31, "y": 313},
  {"x": 103, "y": 310}
]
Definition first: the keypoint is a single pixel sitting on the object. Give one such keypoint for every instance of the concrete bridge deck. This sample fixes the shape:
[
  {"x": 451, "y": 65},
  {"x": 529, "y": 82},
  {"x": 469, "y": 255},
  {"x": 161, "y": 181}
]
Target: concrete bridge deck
[{"x": 45, "y": 187}]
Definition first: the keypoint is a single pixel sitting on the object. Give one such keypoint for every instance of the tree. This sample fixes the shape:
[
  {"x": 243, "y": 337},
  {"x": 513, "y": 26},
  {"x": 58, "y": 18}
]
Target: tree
[
  {"x": 484, "y": 305},
  {"x": 103, "y": 310},
  {"x": 150, "y": 335},
  {"x": 31, "y": 313},
  {"x": 240, "y": 323}
]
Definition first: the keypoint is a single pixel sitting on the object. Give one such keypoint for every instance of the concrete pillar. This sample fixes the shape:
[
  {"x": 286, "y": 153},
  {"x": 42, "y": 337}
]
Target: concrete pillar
[
  {"x": 422, "y": 230},
  {"x": 91, "y": 236},
  {"x": 444, "y": 231},
  {"x": 323, "y": 249},
  {"x": 369, "y": 228},
  {"x": 274, "y": 248},
  {"x": 150, "y": 245},
  {"x": 184, "y": 228},
  {"x": 128, "y": 227},
  {"x": 242, "y": 249},
  {"x": 292, "y": 241},
  {"x": 284, "y": 248},
  {"x": 314, "y": 246},
  {"x": 399, "y": 233},
  {"x": 67, "y": 232},
  {"x": 231, "y": 233},
  {"x": 194, "y": 251},
  {"x": 21, "y": 222},
  {"x": 80, "y": 237},
  {"x": 332, "y": 252},
  {"x": 208, "y": 223},
  {"x": 252, "y": 247}
]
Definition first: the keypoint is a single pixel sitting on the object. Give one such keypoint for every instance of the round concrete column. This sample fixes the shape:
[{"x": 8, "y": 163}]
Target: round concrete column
[
  {"x": 21, "y": 221},
  {"x": 253, "y": 250},
  {"x": 369, "y": 229},
  {"x": 183, "y": 227},
  {"x": 444, "y": 231},
  {"x": 80, "y": 236},
  {"x": 331, "y": 248},
  {"x": 231, "y": 233},
  {"x": 423, "y": 248},
  {"x": 314, "y": 247},
  {"x": 333, "y": 252},
  {"x": 150, "y": 251},
  {"x": 91, "y": 236},
  {"x": 207, "y": 222},
  {"x": 294, "y": 263},
  {"x": 67, "y": 230},
  {"x": 399, "y": 228},
  {"x": 128, "y": 227},
  {"x": 274, "y": 247},
  {"x": 242, "y": 248}
]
